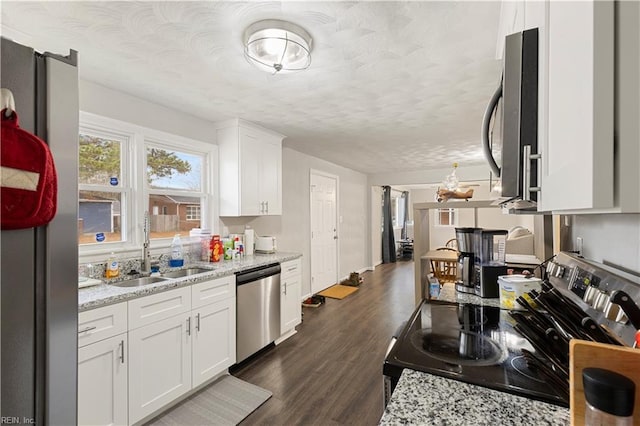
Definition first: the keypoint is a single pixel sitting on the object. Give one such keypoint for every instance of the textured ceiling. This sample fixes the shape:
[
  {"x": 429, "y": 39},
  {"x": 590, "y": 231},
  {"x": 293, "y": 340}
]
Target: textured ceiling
[{"x": 393, "y": 86}]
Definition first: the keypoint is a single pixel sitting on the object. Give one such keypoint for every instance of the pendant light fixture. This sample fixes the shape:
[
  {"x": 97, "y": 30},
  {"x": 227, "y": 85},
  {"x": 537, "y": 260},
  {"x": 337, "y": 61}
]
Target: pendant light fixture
[{"x": 277, "y": 46}]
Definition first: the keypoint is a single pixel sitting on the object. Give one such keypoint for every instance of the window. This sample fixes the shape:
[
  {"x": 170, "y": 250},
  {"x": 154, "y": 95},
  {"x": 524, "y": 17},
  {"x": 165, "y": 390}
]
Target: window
[
  {"x": 397, "y": 209},
  {"x": 446, "y": 217},
  {"x": 174, "y": 182},
  {"x": 102, "y": 185},
  {"x": 193, "y": 212},
  {"x": 125, "y": 170}
]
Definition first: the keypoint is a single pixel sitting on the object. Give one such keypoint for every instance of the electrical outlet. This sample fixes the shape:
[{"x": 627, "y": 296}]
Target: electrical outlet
[{"x": 579, "y": 243}]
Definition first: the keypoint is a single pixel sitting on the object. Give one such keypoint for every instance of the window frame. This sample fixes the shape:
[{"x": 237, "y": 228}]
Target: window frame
[
  {"x": 188, "y": 215},
  {"x": 155, "y": 139},
  {"x": 135, "y": 163},
  {"x": 453, "y": 214}
]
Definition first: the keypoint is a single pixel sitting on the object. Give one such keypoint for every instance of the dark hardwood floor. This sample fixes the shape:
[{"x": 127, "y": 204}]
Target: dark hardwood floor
[{"x": 330, "y": 372}]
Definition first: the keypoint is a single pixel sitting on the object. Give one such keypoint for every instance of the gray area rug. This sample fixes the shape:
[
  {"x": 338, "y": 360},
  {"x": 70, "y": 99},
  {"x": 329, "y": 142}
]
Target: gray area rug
[{"x": 227, "y": 401}]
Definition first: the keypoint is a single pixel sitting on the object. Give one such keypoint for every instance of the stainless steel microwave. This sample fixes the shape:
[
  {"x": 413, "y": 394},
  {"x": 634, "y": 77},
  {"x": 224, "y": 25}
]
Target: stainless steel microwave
[{"x": 518, "y": 93}]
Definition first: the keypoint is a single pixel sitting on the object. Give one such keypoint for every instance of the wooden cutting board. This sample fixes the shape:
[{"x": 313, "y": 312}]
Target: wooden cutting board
[{"x": 583, "y": 354}]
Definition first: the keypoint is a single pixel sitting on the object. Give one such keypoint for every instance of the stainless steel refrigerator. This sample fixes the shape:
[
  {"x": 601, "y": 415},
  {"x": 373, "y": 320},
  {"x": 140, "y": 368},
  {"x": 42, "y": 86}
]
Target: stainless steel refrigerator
[{"x": 39, "y": 266}]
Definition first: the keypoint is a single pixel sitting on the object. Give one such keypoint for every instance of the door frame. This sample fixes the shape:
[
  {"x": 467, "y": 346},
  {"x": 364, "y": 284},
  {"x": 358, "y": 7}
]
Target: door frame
[{"x": 317, "y": 172}]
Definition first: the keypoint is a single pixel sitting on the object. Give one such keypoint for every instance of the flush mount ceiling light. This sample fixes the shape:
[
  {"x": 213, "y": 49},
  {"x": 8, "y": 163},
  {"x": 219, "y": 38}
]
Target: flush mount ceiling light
[{"x": 277, "y": 46}]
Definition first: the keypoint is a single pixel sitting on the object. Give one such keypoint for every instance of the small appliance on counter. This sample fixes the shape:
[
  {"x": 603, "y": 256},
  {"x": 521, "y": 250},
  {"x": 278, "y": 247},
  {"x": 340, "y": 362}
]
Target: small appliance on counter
[
  {"x": 265, "y": 244},
  {"x": 489, "y": 261},
  {"x": 465, "y": 273}
]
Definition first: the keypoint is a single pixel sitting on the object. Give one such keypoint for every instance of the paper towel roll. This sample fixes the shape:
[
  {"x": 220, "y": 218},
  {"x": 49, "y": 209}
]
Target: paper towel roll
[{"x": 248, "y": 242}]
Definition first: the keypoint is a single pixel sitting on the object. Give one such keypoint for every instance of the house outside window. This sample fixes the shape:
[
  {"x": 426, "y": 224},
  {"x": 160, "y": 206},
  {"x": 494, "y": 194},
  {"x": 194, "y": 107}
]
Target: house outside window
[{"x": 446, "y": 217}]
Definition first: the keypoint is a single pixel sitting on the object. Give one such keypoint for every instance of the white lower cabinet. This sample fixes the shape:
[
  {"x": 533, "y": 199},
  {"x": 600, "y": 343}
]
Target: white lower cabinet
[
  {"x": 102, "y": 382},
  {"x": 159, "y": 364},
  {"x": 214, "y": 339},
  {"x": 290, "y": 294}
]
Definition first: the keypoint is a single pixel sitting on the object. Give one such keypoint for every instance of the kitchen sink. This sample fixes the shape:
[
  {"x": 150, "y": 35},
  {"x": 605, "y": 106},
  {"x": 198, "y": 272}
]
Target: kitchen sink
[
  {"x": 136, "y": 282},
  {"x": 185, "y": 272}
]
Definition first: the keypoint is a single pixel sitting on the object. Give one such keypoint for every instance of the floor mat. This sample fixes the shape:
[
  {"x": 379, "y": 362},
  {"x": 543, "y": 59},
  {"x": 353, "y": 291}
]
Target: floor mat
[
  {"x": 338, "y": 291},
  {"x": 225, "y": 402}
]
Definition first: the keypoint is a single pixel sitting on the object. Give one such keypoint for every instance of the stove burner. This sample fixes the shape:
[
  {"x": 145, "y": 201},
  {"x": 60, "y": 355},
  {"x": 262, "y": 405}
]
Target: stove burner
[
  {"x": 467, "y": 349},
  {"x": 519, "y": 364}
]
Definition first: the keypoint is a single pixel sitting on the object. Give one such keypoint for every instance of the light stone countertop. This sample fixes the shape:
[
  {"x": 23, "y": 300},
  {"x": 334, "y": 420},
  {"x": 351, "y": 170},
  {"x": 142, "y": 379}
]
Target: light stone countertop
[
  {"x": 426, "y": 399},
  {"x": 448, "y": 293},
  {"x": 106, "y": 294}
]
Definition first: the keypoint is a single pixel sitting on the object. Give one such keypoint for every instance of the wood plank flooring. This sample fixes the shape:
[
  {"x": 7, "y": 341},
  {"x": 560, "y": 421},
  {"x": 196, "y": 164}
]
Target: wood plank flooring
[{"x": 330, "y": 372}]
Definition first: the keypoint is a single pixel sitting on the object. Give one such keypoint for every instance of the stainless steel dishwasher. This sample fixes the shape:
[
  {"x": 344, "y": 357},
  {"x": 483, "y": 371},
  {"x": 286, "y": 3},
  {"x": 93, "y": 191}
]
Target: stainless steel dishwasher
[{"x": 258, "y": 311}]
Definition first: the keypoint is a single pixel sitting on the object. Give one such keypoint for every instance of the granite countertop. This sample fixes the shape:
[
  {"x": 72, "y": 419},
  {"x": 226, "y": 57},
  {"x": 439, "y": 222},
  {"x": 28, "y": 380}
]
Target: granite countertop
[
  {"x": 106, "y": 294},
  {"x": 448, "y": 293},
  {"x": 425, "y": 399}
]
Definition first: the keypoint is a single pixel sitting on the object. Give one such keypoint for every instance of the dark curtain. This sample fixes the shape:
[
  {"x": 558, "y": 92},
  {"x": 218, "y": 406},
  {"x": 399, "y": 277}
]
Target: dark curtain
[
  {"x": 405, "y": 195},
  {"x": 388, "y": 241}
]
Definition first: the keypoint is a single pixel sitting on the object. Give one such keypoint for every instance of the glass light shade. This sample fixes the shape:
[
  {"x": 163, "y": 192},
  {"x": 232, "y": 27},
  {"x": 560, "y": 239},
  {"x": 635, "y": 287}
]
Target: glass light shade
[{"x": 277, "y": 46}]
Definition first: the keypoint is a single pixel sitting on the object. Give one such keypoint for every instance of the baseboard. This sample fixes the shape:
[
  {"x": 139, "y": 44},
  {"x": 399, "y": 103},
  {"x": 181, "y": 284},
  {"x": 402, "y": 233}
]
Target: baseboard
[
  {"x": 285, "y": 336},
  {"x": 361, "y": 270}
]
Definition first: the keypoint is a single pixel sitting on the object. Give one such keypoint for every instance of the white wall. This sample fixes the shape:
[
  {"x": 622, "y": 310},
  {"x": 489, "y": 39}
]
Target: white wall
[
  {"x": 110, "y": 103},
  {"x": 293, "y": 228},
  {"x": 613, "y": 238},
  {"x": 376, "y": 221},
  {"x": 490, "y": 218}
]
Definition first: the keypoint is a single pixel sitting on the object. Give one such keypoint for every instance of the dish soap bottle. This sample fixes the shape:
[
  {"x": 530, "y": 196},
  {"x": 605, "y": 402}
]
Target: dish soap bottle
[
  {"x": 113, "y": 269},
  {"x": 176, "y": 252}
]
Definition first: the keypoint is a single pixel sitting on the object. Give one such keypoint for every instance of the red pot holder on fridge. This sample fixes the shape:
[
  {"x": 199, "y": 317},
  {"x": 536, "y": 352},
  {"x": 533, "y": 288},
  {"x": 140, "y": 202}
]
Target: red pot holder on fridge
[{"x": 29, "y": 182}]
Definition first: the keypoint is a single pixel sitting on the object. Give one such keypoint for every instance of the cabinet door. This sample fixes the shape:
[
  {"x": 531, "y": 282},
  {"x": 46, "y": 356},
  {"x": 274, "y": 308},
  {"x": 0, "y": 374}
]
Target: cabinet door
[
  {"x": 250, "y": 200},
  {"x": 214, "y": 339},
  {"x": 159, "y": 364},
  {"x": 290, "y": 307},
  {"x": 271, "y": 176},
  {"x": 577, "y": 149},
  {"x": 102, "y": 382}
]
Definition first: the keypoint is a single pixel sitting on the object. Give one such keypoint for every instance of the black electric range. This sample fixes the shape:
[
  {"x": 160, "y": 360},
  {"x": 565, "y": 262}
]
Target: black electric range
[
  {"x": 471, "y": 343},
  {"x": 486, "y": 346}
]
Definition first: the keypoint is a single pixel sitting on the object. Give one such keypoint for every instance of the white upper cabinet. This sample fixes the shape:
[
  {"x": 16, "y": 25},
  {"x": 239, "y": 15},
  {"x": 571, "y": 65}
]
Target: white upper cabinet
[
  {"x": 578, "y": 146},
  {"x": 250, "y": 170},
  {"x": 588, "y": 101}
]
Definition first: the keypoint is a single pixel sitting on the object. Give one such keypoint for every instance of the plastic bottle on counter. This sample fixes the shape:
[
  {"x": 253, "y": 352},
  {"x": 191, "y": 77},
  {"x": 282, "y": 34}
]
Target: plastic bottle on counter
[
  {"x": 609, "y": 398},
  {"x": 177, "y": 258},
  {"x": 112, "y": 269},
  {"x": 216, "y": 249},
  {"x": 227, "y": 243}
]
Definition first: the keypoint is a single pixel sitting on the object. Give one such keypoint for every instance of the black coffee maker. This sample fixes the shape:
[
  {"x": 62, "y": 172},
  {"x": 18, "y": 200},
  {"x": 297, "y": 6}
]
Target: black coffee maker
[
  {"x": 489, "y": 261},
  {"x": 465, "y": 273}
]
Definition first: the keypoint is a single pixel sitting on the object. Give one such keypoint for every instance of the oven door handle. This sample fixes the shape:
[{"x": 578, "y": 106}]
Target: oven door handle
[{"x": 394, "y": 338}]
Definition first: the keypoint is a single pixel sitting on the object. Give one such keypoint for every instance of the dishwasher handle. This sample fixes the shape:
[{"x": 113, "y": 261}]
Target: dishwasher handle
[{"x": 257, "y": 274}]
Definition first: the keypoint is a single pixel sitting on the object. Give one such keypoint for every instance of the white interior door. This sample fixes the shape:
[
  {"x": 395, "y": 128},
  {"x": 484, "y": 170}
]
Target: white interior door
[{"x": 324, "y": 231}]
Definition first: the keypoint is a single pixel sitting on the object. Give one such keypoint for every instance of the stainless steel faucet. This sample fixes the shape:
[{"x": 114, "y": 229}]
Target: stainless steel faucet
[{"x": 146, "y": 256}]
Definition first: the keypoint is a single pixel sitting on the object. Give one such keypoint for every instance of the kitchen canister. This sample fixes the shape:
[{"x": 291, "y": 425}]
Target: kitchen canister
[
  {"x": 514, "y": 286},
  {"x": 609, "y": 398}
]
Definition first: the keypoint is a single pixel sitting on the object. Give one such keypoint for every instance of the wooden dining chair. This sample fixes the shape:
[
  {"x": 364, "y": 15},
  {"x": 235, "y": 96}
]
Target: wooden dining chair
[{"x": 445, "y": 270}]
